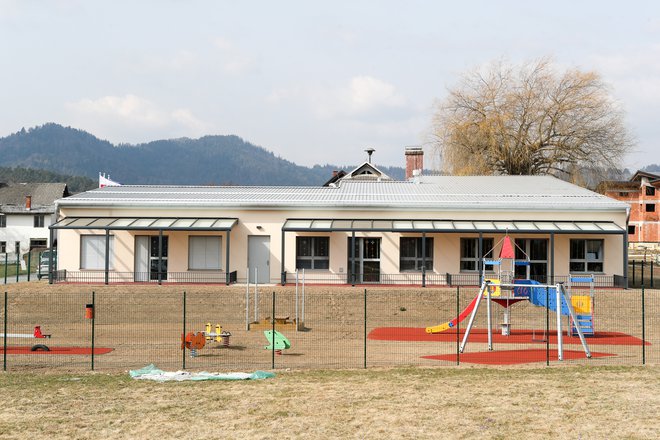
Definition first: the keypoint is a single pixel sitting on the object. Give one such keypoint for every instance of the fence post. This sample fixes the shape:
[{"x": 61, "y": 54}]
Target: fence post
[
  {"x": 365, "y": 328},
  {"x": 651, "y": 274},
  {"x": 633, "y": 274},
  {"x": 183, "y": 335},
  {"x": 643, "y": 329},
  {"x": 642, "y": 277},
  {"x": 272, "y": 340},
  {"x": 547, "y": 326},
  {"x": 6, "y": 262},
  {"x": 29, "y": 265},
  {"x": 4, "y": 342},
  {"x": 93, "y": 324},
  {"x": 458, "y": 325},
  {"x": 18, "y": 265}
]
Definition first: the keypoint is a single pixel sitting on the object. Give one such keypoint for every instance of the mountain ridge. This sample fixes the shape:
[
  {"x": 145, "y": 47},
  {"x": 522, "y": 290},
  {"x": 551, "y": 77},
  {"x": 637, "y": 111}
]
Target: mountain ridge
[{"x": 208, "y": 160}]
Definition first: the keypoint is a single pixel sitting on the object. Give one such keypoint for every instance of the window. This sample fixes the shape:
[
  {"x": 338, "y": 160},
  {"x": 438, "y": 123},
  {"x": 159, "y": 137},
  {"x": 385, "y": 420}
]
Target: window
[
  {"x": 586, "y": 256},
  {"x": 39, "y": 221},
  {"x": 410, "y": 254},
  {"x": 204, "y": 253},
  {"x": 38, "y": 243},
  {"x": 650, "y": 207},
  {"x": 3, "y": 221},
  {"x": 650, "y": 191},
  {"x": 536, "y": 249},
  {"x": 631, "y": 229},
  {"x": 312, "y": 252},
  {"x": 470, "y": 253},
  {"x": 3, "y": 247},
  {"x": 92, "y": 252}
]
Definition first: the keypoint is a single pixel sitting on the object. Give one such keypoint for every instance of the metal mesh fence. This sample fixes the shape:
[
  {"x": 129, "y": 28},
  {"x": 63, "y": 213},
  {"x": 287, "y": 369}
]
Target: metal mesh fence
[{"x": 230, "y": 328}]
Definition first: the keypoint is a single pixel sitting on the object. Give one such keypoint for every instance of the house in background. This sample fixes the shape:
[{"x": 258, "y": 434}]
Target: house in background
[
  {"x": 26, "y": 212},
  {"x": 642, "y": 194},
  {"x": 363, "y": 227}
]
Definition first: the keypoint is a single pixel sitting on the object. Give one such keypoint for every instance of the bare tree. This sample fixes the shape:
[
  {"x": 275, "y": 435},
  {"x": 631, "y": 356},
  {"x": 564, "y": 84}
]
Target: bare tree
[{"x": 529, "y": 119}]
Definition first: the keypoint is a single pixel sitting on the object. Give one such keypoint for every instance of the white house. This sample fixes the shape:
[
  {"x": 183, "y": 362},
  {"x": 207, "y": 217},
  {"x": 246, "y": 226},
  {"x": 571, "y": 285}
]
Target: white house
[{"x": 26, "y": 212}]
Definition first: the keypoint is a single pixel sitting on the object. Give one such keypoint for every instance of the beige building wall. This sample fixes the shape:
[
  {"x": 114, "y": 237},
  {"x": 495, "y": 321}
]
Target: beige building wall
[{"x": 446, "y": 250}]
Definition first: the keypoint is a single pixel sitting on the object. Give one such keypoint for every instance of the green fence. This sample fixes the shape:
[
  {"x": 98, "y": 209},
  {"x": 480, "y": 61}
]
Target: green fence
[{"x": 123, "y": 328}]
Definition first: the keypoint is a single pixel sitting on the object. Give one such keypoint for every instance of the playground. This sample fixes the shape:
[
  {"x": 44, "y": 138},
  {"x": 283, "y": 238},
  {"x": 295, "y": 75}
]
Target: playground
[{"x": 338, "y": 327}]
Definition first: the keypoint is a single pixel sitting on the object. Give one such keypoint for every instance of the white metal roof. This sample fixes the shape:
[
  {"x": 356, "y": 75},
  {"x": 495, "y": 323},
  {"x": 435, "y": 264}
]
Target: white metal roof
[{"x": 430, "y": 193}]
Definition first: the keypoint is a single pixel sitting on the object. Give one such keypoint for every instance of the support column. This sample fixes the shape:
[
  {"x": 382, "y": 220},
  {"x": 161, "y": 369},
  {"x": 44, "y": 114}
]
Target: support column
[
  {"x": 625, "y": 258},
  {"x": 353, "y": 258},
  {"x": 227, "y": 258},
  {"x": 423, "y": 259},
  {"x": 480, "y": 255},
  {"x": 283, "y": 267},
  {"x": 107, "y": 256},
  {"x": 50, "y": 258},
  {"x": 160, "y": 256},
  {"x": 552, "y": 258}
]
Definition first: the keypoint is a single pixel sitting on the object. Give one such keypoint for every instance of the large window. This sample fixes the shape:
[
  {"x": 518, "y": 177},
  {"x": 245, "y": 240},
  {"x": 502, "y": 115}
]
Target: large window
[
  {"x": 586, "y": 256},
  {"x": 470, "y": 253},
  {"x": 536, "y": 249},
  {"x": 410, "y": 254},
  {"x": 204, "y": 253},
  {"x": 312, "y": 252},
  {"x": 92, "y": 252}
]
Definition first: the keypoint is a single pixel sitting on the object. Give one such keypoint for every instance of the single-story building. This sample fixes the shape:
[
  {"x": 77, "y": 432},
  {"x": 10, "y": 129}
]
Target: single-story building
[{"x": 363, "y": 227}]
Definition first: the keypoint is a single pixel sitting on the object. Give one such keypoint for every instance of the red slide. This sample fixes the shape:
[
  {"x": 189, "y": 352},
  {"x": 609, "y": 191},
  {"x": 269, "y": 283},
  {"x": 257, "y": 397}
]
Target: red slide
[{"x": 447, "y": 325}]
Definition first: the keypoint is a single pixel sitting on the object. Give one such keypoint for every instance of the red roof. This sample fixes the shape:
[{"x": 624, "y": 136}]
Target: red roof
[{"x": 507, "y": 249}]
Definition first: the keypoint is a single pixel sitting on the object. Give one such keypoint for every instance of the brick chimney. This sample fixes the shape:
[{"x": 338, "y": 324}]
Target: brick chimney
[
  {"x": 28, "y": 202},
  {"x": 414, "y": 161}
]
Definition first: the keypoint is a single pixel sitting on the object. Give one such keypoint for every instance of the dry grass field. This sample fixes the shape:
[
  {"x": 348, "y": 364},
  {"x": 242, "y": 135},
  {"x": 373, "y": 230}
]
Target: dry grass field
[{"x": 508, "y": 403}]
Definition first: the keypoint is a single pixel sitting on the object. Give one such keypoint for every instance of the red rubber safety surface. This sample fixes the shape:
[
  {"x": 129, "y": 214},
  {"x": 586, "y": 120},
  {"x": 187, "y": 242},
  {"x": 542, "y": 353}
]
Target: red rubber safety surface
[
  {"x": 481, "y": 335},
  {"x": 513, "y": 357},
  {"x": 58, "y": 350}
]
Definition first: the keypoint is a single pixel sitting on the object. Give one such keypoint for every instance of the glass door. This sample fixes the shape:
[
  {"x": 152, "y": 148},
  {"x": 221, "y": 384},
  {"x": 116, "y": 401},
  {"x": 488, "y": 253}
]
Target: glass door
[
  {"x": 153, "y": 258},
  {"x": 367, "y": 260}
]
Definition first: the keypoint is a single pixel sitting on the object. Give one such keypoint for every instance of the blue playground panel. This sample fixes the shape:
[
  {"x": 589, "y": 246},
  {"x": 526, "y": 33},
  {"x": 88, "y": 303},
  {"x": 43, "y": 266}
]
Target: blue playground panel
[{"x": 537, "y": 295}]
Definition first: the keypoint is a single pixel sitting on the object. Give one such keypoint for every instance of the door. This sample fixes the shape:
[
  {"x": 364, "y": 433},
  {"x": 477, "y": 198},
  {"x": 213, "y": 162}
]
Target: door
[
  {"x": 367, "y": 260},
  {"x": 259, "y": 258},
  {"x": 146, "y": 258}
]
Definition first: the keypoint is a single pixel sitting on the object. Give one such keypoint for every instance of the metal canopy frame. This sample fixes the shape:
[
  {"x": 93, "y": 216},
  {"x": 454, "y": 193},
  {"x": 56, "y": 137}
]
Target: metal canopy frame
[
  {"x": 448, "y": 225},
  {"x": 423, "y": 227},
  {"x": 148, "y": 223},
  {"x": 159, "y": 224}
]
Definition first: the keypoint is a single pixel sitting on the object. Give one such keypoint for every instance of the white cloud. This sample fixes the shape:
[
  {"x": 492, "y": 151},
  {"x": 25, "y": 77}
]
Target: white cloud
[
  {"x": 133, "y": 119},
  {"x": 233, "y": 60},
  {"x": 362, "y": 97}
]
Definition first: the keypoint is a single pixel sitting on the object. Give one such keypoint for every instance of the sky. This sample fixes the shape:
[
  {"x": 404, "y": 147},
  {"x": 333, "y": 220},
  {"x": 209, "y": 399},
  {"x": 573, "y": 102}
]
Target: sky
[{"x": 314, "y": 82}]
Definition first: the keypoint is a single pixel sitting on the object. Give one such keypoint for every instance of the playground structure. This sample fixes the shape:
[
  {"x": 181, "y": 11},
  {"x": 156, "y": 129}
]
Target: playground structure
[
  {"x": 505, "y": 290},
  {"x": 277, "y": 341},
  {"x": 195, "y": 341},
  {"x": 283, "y": 322},
  {"x": 37, "y": 334}
]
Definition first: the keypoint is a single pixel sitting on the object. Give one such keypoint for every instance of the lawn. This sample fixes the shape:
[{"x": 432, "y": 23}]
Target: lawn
[{"x": 567, "y": 402}]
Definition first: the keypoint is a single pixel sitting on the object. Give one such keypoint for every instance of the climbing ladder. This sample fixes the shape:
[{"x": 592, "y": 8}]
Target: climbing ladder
[{"x": 583, "y": 305}]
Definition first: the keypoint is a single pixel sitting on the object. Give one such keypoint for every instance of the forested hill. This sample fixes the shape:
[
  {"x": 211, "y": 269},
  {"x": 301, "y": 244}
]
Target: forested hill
[
  {"x": 22, "y": 175},
  {"x": 210, "y": 160}
]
